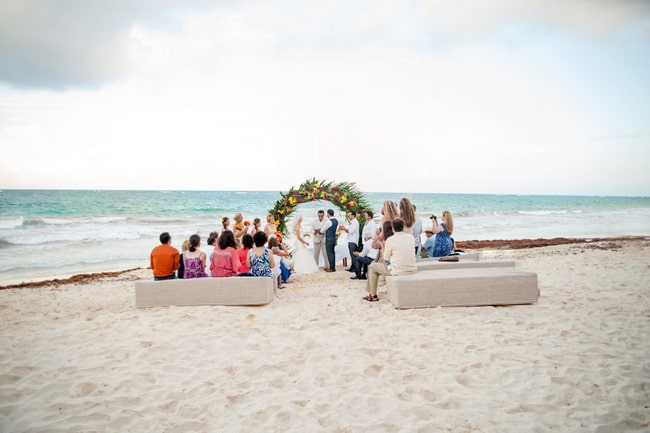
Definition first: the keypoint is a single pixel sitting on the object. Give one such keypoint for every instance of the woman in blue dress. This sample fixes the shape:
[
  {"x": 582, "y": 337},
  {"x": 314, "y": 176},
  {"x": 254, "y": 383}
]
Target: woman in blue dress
[
  {"x": 444, "y": 244},
  {"x": 260, "y": 259}
]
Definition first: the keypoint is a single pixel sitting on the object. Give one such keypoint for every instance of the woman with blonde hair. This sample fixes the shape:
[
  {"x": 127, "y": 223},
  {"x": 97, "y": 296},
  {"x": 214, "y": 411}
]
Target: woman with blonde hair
[
  {"x": 270, "y": 228},
  {"x": 443, "y": 245},
  {"x": 389, "y": 211},
  {"x": 239, "y": 228}
]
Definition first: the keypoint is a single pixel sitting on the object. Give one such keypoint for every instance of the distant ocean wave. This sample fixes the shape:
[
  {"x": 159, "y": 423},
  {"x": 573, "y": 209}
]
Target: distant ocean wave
[{"x": 11, "y": 223}]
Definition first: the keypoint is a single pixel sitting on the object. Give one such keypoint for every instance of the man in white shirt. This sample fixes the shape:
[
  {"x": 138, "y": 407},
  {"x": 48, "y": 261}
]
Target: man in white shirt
[
  {"x": 370, "y": 227},
  {"x": 353, "y": 239},
  {"x": 398, "y": 259},
  {"x": 319, "y": 239},
  {"x": 364, "y": 258}
]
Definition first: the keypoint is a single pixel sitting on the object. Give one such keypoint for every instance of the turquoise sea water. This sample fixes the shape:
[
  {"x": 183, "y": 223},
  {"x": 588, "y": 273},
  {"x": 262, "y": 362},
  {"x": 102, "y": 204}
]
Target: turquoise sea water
[{"x": 51, "y": 233}]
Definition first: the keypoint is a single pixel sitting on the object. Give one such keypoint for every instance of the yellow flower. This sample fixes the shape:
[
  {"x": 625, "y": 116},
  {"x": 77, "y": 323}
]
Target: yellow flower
[
  {"x": 292, "y": 200},
  {"x": 343, "y": 198}
]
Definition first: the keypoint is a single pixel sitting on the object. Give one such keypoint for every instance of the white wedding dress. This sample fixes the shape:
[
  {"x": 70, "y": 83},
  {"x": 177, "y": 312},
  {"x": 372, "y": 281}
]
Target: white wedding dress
[{"x": 303, "y": 260}]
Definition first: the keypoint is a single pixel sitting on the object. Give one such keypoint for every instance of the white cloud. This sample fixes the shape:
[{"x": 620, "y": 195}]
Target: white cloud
[{"x": 253, "y": 96}]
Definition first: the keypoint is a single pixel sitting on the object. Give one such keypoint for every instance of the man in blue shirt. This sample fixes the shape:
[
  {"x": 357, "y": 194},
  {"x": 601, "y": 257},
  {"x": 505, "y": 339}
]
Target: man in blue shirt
[{"x": 430, "y": 242}]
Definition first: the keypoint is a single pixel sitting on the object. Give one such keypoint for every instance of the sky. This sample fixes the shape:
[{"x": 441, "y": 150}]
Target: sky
[{"x": 500, "y": 96}]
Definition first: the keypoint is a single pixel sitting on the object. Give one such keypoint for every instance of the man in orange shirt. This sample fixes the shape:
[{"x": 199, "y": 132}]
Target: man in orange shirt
[{"x": 164, "y": 259}]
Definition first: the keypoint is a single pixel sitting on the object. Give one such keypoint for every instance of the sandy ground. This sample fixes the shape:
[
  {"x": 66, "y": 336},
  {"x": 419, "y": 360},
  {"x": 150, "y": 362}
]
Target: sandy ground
[{"x": 80, "y": 357}]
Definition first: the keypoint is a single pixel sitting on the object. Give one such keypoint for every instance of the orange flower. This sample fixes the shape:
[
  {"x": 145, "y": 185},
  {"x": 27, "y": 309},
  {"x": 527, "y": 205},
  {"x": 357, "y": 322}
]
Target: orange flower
[{"x": 247, "y": 223}]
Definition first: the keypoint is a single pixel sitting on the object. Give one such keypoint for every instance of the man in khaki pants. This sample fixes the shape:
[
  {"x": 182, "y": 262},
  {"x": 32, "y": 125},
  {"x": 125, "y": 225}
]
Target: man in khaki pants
[
  {"x": 319, "y": 239},
  {"x": 398, "y": 259}
]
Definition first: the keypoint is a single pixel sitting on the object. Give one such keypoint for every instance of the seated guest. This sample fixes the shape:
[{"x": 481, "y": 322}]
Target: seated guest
[
  {"x": 260, "y": 260},
  {"x": 364, "y": 258},
  {"x": 209, "y": 249},
  {"x": 398, "y": 259},
  {"x": 430, "y": 242},
  {"x": 194, "y": 259},
  {"x": 247, "y": 244},
  {"x": 225, "y": 261},
  {"x": 164, "y": 259},
  {"x": 284, "y": 265},
  {"x": 181, "y": 265},
  {"x": 444, "y": 244}
]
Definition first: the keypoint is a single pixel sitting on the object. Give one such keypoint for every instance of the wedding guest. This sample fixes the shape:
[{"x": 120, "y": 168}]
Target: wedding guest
[
  {"x": 417, "y": 234},
  {"x": 398, "y": 259},
  {"x": 270, "y": 228},
  {"x": 247, "y": 244},
  {"x": 370, "y": 227},
  {"x": 364, "y": 258},
  {"x": 430, "y": 242},
  {"x": 194, "y": 259},
  {"x": 383, "y": 233},
  {"x": 444, "y": 244},
  {"x": 239, "y": 229},
  {"x": 276, "y": 269},
  {"x": 260, "y": 260},
  {"x": 389, "y": 211},
  {"x": 209, "y": 248},
  {"x": 407, "y": 213},
  {"x": 353, "y": 239},
  {"x": 181, "y": 266},
  {"x": 164, "y": 259},
  {"x": 282, "y": 257},
  {"x": 319, "y": 239},
  {"x": 225, "y": 261}
]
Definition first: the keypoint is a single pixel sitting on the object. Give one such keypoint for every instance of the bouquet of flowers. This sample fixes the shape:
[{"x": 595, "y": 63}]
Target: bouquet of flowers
[
  {"x": 278, "y": 235},
  {"x": 247, "y": 223},
  {"x": 239, "y": 226}
]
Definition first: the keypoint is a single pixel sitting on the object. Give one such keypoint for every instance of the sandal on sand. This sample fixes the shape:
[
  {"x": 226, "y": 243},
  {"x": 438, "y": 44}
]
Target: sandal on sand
[{"x": 370, "y": 298}]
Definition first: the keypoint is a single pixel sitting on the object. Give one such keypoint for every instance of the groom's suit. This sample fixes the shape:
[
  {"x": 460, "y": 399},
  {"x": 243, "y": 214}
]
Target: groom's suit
[{"x": 330, "y": 243}]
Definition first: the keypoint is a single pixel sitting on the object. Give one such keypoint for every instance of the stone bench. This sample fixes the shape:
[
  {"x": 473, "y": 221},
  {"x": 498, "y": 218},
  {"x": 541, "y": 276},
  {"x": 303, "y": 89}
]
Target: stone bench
[
  {"x": 462, "y": 257},
  {"x": 463, "y": 287},
  {"x": 461, "y": 264},
  {"x": 204, "y": 291}
]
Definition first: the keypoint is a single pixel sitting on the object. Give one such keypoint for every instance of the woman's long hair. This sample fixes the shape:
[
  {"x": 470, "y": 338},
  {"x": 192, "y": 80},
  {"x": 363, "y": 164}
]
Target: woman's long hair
[
  {"x": 227, "y": 239},
  {"x": 406, "y": 212},
  {"x": 449, "y": 222},
  {"x": 390, "y": 210},
  {"x": 195, "y": 240}
]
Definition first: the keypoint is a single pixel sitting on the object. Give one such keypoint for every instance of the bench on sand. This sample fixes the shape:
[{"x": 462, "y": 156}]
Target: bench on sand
[
  {"x": 461, "y": 264},
  {"x": 204, "y": 291},
  {"x": 462, "y": 287}
]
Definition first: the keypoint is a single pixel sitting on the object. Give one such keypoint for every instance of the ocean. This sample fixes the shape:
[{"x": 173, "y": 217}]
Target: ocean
[{"x": 58, "y": 233}]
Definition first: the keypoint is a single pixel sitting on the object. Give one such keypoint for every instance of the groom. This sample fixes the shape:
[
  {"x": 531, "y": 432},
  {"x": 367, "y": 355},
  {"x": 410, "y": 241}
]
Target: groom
[{"x": 330, "y": 226}]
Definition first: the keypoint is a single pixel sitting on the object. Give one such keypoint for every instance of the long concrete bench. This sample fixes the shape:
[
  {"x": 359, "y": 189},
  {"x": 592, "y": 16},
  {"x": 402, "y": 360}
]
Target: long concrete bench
[
  {"x": 462, "y": 257},
  {"x": 462, "y": 264},
  {"x": 204, "y": 291},
  {"x": 463, "y": 287}
]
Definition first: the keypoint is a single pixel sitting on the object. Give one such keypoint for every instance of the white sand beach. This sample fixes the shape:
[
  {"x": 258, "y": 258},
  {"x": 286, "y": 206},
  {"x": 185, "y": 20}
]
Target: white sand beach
[{"x": 81, "y": 357}]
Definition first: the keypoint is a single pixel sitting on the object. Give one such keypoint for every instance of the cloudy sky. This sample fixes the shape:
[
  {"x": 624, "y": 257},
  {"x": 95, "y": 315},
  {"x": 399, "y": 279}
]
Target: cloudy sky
[{"x": 500, "y": 96}]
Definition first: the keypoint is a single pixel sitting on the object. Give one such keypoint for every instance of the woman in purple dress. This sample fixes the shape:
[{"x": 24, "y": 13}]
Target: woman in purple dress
[{"x": 194, "y": 260}]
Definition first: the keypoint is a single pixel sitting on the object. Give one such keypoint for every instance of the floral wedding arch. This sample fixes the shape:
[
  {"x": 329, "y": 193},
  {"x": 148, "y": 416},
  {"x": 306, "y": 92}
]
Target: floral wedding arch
[{"x": 343, "y": 195}]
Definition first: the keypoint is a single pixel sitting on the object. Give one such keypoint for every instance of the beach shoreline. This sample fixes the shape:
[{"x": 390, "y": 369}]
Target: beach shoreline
[{"x": 80, "y": 357}]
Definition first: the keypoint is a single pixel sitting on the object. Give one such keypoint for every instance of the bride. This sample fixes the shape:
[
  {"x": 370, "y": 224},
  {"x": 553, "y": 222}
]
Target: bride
[{"x": 303, "y": 260}]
